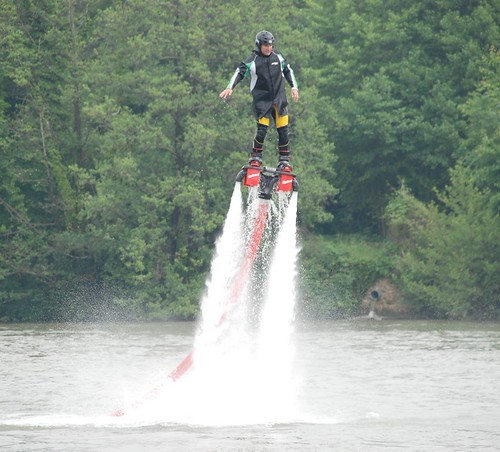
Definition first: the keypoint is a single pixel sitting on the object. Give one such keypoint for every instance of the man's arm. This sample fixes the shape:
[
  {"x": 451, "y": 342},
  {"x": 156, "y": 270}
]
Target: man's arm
[
  {"x": 239, "y": 74},
  {"x": 290, "y": 78}
]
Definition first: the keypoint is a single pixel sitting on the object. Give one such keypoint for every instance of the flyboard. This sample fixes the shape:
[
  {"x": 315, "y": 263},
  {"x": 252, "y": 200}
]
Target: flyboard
[{"x": 267, "y": 181}]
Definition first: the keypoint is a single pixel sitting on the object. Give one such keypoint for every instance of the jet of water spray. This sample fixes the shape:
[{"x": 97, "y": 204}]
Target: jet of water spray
[
  {"x": 224, "y": 266},
  {"x": 275, "y": 341}
]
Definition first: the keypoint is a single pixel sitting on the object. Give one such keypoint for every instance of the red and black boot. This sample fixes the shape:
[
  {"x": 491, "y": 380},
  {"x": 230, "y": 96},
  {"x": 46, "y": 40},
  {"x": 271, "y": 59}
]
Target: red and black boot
[{"x": 283, "y": 163}]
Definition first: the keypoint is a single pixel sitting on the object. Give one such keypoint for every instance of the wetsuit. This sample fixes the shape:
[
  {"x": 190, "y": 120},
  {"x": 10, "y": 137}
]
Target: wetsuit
[{"x": 267, "y": 85}]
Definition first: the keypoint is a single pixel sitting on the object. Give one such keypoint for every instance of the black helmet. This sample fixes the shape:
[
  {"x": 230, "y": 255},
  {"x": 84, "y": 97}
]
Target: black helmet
[{"x": 264, "y": 37}]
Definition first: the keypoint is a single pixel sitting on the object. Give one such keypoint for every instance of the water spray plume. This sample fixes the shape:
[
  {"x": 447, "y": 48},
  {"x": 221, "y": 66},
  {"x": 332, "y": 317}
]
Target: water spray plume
[{"x": 235, "y": 362}]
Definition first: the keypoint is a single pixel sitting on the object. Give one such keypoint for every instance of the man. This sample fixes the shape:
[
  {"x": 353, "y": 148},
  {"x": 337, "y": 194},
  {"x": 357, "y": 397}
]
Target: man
[{"x": 268, "y": 69}]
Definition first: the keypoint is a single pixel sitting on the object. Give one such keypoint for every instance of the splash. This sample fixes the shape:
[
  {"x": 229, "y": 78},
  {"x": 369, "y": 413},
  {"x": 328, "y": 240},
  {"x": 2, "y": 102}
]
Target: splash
[
  {"x": 241, "y": 366},
  {"x": 244, "y": 367}
]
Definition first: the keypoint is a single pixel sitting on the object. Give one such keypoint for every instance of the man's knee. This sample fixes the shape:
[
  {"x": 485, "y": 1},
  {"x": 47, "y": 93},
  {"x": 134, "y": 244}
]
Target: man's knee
[
  {"x": 282, "y": 135},
  {"x": 261, "y": 132},
  {"x": 283, "y": 146},
  {"x": 260, "y": 136}
]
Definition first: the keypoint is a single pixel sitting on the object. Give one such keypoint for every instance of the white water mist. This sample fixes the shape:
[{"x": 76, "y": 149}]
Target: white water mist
[{"x": 242, "y": 371}]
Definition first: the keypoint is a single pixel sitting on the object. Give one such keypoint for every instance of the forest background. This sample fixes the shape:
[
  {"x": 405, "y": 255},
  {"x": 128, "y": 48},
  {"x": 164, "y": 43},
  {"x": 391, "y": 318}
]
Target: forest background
[{"x": 117, "y": 158}]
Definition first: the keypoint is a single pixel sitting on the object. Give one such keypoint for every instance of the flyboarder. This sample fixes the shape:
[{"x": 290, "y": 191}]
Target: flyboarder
[{"x": 268, "y": 70}]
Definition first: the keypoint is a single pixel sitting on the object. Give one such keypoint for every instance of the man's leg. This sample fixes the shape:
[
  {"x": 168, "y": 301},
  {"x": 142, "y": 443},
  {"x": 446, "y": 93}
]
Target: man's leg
[
  {"x": 283, "y": 145},
  {"x": 283, "y": 142},
  {"x": 258, "y": 142}
]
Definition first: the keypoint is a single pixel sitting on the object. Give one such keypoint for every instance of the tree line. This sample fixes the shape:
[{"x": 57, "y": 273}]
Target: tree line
[{"x": 118, "y": 158}]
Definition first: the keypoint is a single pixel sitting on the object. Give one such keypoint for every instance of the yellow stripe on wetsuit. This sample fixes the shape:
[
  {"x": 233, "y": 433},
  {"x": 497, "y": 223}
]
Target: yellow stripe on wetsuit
[{"x": 280, "y": 121}]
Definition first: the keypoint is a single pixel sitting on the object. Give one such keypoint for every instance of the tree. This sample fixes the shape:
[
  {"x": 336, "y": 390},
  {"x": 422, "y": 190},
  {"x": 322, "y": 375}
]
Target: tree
[
  {"x": 450, "y": 264},
  {"x": 394, "y": 75}
]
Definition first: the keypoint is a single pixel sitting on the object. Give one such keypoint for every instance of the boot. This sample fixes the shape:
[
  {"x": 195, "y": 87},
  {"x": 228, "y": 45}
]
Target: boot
[
  {"x": 283, "y": 164},
  {"x": 255, "y": 159}
]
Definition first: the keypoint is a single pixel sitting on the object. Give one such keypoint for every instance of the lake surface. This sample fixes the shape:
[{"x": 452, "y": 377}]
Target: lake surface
[{"x": 354, "y": 385}]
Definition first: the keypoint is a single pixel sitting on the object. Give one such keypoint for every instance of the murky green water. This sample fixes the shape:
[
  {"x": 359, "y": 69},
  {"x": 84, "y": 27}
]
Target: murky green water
[{"x": 358, "y": 385}]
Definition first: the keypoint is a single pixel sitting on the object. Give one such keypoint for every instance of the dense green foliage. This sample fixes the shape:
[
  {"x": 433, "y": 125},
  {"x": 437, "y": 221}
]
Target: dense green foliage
[
  {"x": 450, "y": 265},
  {"x": 397, "y": 73},
  {"x": 117, "y": 157}
]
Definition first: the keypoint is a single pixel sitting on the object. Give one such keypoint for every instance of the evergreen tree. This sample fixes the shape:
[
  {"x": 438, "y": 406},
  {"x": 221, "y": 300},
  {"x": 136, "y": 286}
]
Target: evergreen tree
[{"x": 394, "y": 76}]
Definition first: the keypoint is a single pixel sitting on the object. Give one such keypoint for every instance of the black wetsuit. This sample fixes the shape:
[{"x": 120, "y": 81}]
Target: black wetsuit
[{"x": 267, "y": 81}]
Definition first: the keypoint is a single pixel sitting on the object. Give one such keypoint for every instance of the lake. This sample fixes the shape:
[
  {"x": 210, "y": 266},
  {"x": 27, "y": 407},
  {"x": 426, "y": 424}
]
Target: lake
[{"x": 348, "y": 386}]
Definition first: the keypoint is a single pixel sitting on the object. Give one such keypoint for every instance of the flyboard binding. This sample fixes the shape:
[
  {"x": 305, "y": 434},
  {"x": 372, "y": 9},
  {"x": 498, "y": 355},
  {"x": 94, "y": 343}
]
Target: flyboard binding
[{"x": 267, "y": 180}]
